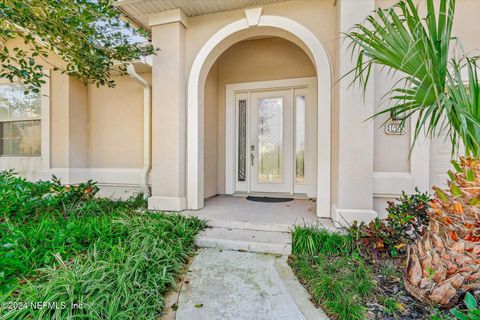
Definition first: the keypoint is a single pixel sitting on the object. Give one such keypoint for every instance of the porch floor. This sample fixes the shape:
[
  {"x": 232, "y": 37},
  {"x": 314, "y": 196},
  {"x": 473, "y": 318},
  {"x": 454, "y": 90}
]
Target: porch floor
[{"x": 240, "y": 213}]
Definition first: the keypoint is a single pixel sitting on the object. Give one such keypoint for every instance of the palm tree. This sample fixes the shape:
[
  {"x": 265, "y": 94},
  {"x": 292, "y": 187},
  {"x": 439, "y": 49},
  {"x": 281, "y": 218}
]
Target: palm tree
[{"x": 445, "y": 262}]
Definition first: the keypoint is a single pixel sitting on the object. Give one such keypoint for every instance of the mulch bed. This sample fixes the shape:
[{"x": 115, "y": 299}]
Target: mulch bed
[{"x": 391, "y": 286}]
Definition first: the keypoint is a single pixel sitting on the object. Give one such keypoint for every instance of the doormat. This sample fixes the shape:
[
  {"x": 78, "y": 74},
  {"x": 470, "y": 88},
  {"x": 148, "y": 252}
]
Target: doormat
[{"x": 268, "y": 199}]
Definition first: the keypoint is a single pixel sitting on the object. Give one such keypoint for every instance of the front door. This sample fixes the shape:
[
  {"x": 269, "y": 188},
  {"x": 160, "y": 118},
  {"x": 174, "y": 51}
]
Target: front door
[
  {"x": 272, "y": 138},
  {"x": 271, "y": 142}
]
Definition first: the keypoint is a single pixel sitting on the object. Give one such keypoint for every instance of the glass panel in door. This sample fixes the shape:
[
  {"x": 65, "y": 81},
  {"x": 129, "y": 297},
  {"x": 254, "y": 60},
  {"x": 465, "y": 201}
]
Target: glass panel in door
[
  {"x": 270, "y": 140},
  {"x": 271, "y": 149},
  {"x": 300, "y": 139}
]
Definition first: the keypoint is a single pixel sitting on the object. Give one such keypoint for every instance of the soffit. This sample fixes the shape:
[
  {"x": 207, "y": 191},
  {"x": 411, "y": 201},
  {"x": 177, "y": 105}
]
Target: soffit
[{"x": 139, "y": 10}]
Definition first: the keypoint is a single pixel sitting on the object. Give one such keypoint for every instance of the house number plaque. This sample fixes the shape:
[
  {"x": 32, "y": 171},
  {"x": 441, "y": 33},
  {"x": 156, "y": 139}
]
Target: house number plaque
[{"x": 395, "y": 128}]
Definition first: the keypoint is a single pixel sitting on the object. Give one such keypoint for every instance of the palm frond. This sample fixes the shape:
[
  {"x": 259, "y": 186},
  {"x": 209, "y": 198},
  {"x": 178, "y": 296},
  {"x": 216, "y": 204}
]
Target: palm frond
[
  {"x": 464, "y": 105},
  {"x": 418, "y": 48}
]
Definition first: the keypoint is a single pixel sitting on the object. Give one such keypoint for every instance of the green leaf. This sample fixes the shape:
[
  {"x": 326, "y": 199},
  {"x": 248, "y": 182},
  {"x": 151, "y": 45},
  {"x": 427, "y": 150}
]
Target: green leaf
[
  {"x": 441, "y": 195},
  {"x": 455, "y": 190},
  {"x": 90, "y": 50},
  {"x": 456, "y": 165},
  {"x": 469, "y": 175},
  {"x": 470, "y": 301},
  {"x": 459, "y": 315},
  {"x": 394, "y": 253},
  {"x": 451, "y": 175}
]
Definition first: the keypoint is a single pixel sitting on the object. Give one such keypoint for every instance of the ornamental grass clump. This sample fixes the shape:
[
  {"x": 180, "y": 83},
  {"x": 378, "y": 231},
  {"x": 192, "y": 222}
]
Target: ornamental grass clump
[
  {"x": 337, "y": 277},
  {"x": 122, "y": 276}
]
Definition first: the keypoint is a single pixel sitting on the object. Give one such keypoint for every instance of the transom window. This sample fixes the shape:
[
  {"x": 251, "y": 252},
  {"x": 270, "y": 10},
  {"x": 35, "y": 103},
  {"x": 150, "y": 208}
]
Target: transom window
[{"x": 20, "y": 118}]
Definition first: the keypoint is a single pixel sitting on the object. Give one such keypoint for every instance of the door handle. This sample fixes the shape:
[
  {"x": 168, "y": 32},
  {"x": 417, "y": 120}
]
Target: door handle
[{"x": 252, "y": 155}]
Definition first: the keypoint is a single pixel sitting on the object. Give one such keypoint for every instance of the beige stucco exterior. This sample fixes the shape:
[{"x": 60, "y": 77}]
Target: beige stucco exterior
[
  {"x": 115, "y": 132},
  {"x": 98, "y": 133},
  {"x": 91, "y": 133}
]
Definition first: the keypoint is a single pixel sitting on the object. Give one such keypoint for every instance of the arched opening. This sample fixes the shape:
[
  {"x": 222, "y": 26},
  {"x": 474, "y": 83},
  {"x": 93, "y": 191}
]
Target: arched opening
[{"x": 289, "y": 33}]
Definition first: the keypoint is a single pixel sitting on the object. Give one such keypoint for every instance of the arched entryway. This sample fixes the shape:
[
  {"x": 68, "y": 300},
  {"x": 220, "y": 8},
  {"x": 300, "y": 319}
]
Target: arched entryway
[{"x": 257, "y": 25}]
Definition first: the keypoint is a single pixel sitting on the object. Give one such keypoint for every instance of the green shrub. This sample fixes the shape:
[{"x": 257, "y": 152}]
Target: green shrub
[
  {"x": 40, "y": 219},
  {"x": 409, "y": 214},
  {"x": 21, "y": 199},
  {"x": 18, "y": 197},
  {"x": 62, "y": 244},
  {"x": 406, "y": 221}
]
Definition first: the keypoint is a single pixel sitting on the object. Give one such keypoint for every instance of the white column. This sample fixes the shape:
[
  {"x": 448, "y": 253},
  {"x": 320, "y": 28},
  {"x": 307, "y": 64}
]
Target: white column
[
  {"x": 354, "y": 198},
  {"x": 168, "y": 175}
]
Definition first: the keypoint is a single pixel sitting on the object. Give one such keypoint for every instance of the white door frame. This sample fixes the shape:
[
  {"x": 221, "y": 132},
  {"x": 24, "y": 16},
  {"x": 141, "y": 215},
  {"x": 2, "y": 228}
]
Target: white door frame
[
  {"x": 195, "y": 89},
  {"x": 309, "y": 84}
]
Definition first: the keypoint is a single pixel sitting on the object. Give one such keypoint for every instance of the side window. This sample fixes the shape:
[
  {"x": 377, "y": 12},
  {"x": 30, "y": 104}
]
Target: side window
[{"x": 20, "y": 122}]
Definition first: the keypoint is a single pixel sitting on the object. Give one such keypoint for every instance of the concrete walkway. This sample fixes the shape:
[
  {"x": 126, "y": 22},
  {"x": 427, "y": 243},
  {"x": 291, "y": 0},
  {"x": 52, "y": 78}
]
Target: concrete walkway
[{"x": 224, "y": 285}]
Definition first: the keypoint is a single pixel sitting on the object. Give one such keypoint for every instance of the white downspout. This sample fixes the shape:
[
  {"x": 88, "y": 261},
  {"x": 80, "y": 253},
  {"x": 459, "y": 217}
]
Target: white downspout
[{"x": 147, "y": 124}]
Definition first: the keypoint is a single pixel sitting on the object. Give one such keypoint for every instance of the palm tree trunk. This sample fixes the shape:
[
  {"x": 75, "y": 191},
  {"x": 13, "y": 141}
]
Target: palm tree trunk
[{"x": 445, "y": 262}]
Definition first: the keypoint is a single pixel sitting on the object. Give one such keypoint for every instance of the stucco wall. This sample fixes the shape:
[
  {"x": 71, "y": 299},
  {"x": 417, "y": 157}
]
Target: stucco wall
[
  {"x": 89, "y": 126},
  {"x": 78, "y": 124},
  {"x": 59, "y": 120},
  {"x": 211, "y": 133},
  {"x": 246, "y": 61},
  {"x": 390, "y": 151},
  {"x": 115, "y": 131}
]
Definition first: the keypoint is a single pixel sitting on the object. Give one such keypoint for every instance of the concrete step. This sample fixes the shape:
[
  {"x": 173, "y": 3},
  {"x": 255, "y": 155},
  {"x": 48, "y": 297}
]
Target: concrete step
[
  {"x": 249, "y": 225},
  {"x": 249, "y": 240}
]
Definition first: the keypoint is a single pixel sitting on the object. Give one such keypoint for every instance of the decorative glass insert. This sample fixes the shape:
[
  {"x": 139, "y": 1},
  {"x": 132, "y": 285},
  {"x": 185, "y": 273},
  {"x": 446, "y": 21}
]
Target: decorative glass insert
[
  {"x": 270, "y": 140},
  {"x": 242, "y": 139},
  {"x": 300, "y": 139},
  {"x": 20, "y": 116}
]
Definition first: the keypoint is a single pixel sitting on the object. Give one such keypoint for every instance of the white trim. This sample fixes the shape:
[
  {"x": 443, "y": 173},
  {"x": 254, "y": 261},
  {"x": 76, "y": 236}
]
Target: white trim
[
  {"x": 195, "y": 108},
  {"x": 253, "y": 16},
  {"x": 29, "y": 165},
  {"x": 231, "y": 138},
  {"x": 391, "y": 184},
  {"x": 272, "y": 84},
  {"x": 344, "y": 217},
  {"x": 231, "y": 142},
  {"x": 45, "y": 122},
  {"x": 165, "y": 17},
  {"x": 167, "y": 203},
  {"x": 103, "y": 176},
  {"x": 419, "y": 159}
]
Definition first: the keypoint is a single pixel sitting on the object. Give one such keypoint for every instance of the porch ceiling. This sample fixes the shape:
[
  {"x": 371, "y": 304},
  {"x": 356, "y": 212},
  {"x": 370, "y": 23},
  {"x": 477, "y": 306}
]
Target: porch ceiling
[{"x": 138, "y": 10}]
